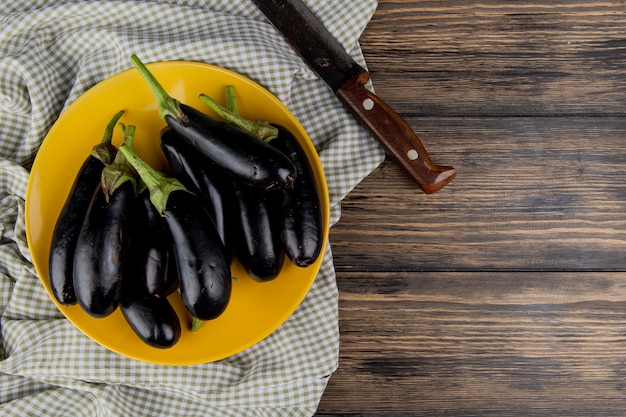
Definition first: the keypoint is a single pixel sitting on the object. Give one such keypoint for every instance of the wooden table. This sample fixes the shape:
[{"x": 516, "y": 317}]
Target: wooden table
[{"x": 504, "y": 294}]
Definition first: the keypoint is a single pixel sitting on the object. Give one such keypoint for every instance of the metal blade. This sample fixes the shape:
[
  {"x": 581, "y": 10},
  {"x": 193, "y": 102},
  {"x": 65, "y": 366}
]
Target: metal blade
[{"x": 306, "y": 33}]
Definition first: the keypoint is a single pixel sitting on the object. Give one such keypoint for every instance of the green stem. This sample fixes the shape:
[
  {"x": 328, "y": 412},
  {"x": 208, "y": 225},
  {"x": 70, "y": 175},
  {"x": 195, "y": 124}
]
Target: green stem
[
  {"x": 105, "y": 151},
  {"x": 231, "y": 99},
  {"x": 195, "y": 324},
  {"x": 159, "y": 184},
  {"x": 168, "y": 106},
  {"x": 128, "y": 138},
  {"x": 260, "y": 129},
  {"x": 119, "y": 171},
  {"x": 108, "y": 132}
]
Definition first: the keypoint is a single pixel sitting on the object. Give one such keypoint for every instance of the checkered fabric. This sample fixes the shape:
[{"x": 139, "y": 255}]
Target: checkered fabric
[{"x": 51, "y": 52}]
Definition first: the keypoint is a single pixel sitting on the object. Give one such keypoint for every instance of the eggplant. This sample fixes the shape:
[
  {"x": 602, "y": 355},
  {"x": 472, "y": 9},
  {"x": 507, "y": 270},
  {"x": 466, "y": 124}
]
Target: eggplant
[
  {"x": 100, "y": 255},
  {"x": 150, "y": 278},
  {"x": 102, "y": 248},
  {"x": 150, "y": 248},
  {"x": 152, "y": 317},
  {"x": 203, "y": 270},
  {"x": 70, "y": 220},
  {"x": 258, "y": 245},
  {"x": 302, "y": 228},
  {"x": 201, "y": 177},
  {"x": 229, "y": 147},
  {"x": 238, "y": 153}
]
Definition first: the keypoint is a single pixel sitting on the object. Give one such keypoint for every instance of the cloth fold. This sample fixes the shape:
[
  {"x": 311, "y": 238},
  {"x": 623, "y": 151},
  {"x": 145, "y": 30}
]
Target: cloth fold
[{"x": 51, "y": 52}]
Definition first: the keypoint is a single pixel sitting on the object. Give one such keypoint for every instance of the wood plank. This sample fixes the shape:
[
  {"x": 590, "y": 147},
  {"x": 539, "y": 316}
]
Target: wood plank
[
  {"x": 499, "y": 58},
  {"x": 461, "y": 344},
  {"x": 502, "y": 294},
  {"x": 531, "y": 194}
]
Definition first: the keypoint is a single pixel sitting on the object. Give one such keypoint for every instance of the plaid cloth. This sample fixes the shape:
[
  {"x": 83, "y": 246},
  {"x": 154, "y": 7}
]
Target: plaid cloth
[{"x": 51, "y": 52}]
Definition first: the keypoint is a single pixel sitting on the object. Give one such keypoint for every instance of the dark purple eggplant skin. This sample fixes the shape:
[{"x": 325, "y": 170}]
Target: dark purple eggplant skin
[
  {"x": 302, "y": 226},
  {"x": 258, "y": 245},
  {"x": 101, "y": 251},
  {"x": 243, "y": 156},
  {"x": 203, "y": 269},
  {"x": 67, "y": 228},
  {"x": 202, "y": 177},
  {"x": 150, "y": 249},
  {"x": 152, "y": 318}
]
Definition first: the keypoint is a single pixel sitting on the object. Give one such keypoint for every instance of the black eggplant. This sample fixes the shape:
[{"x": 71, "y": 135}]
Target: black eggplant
[
  {"x": 69, "y": 222},
  {"x": 231, "y": 148},
  {"x": 150, "y": 248},
  {"x": 201, "y": 177},
  {"x": 101, "y": 253},
  {"x": 152, "y": 317},
  {"x": 258, "y": 245},
  {"x": 302, "y": 227},
  {"x": 99, "y": 259},
  {"x": 203, "y": 270}
]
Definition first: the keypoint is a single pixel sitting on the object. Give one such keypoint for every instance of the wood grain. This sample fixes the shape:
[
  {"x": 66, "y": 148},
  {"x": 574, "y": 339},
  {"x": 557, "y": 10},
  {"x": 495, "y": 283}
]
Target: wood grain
[
  {"x": 467, "y": 344},
  {"x": 499, "y": 58},
  {"x": 531, "y": 194},
  {"x": 504, "y": 293}
]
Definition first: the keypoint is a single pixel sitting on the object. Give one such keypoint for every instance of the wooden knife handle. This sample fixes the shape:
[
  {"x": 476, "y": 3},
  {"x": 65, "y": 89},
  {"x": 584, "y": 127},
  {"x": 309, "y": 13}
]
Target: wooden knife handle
[{"x": 394, "y": 133}]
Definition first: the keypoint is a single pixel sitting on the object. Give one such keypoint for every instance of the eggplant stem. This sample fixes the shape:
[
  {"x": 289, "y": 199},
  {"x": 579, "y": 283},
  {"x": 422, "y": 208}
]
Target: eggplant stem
[
  {"x": 119, "y": 171},
  {"x": 129, "y": 137},
  {"x": 159, "y": 184},
  {"x": 105, "y": 151},
  {"x": 168, "y": 105},
  {"x": 231, "y": 100},
  {"x": 195, "y": 324},
  {"x": 259, "y": 129},
  {"x": 107, "y": 137}
]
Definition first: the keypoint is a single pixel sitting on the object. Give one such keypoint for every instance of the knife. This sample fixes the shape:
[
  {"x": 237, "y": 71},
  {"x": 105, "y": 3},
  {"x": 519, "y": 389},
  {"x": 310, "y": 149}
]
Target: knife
[{"x": 327, "y": 57}]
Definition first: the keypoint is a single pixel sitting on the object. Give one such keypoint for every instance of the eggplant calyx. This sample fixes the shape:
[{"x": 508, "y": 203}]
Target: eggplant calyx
[
  {"x": 119, "y": 171},
  {"x": 260, "y": 129},
  {"x": 159, "y": 184},
  {"x": 105, "y": 151},
  {"x": 168, "y": 105}
]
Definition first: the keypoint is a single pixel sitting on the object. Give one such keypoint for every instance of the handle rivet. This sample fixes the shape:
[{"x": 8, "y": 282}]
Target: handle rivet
[
  {"x": 412, "y": 154},
  {"x": 368, "y": 104}
]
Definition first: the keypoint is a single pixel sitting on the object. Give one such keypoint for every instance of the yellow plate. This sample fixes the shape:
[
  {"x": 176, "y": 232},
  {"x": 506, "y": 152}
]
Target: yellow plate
[{"x": 256, "y": 309}]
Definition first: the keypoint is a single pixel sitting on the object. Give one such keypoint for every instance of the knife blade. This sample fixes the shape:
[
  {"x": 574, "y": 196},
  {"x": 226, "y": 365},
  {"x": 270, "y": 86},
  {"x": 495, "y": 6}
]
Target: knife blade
[{"x": 327, "y": 57}]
